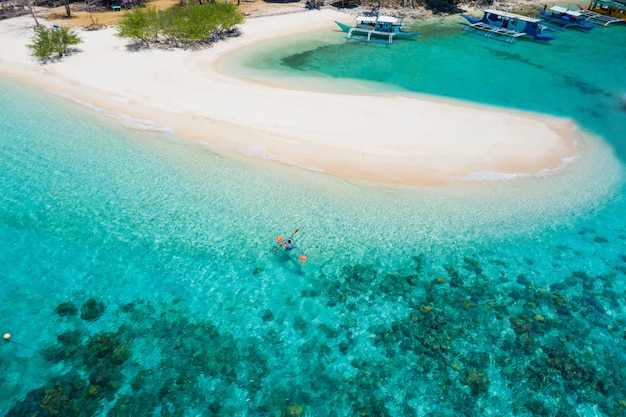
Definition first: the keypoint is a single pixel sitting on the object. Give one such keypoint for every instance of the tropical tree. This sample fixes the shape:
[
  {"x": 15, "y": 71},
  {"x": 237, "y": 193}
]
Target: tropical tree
[
  {"x": 91, "y": 6},
  {"x": 227, "y": 16},
  {"x": 68, "y": 11},
  {"x": 180, "y": 25},
  {"x": 143, "y": 24},
  {"x": 30, "y": 6},
  {"x": 50, "y": 41}
]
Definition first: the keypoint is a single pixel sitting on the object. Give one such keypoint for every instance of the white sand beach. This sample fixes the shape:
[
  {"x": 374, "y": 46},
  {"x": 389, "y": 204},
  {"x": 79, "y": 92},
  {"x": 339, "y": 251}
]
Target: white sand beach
[{"x": 391, "y": 140}]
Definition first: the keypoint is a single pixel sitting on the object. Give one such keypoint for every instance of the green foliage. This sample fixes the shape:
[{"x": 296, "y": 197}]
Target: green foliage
[
  {"x": 190, "y": 24},
  {"x": 140, "y": 23},
  {"x": 50, "y": 41},
  {"x": 182, "y": 24},
  {"x": 227, "y": 16}
]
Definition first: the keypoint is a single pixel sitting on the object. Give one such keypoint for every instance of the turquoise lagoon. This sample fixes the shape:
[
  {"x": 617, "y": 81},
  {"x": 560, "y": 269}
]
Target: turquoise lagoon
[{"x": 139, "y": 276}]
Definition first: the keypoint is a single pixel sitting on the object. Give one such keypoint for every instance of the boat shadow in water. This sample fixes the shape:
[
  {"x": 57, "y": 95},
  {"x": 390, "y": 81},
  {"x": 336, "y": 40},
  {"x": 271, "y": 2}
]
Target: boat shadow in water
[{"x": 289, "y": 263}]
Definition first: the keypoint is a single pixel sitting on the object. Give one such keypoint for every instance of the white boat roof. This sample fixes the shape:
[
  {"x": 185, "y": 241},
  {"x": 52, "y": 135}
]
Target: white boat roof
[
  {"x": 384, "y": 19},
  {"x": 559, "y": 9},
  {"x": 512, "y": 15},
  {"x": 565, "y": 10}
]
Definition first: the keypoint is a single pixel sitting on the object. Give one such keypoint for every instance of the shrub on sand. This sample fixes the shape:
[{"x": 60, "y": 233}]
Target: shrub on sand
[
  {"x": 50, "y": 41},
  {"x": 180, "y": 26}
]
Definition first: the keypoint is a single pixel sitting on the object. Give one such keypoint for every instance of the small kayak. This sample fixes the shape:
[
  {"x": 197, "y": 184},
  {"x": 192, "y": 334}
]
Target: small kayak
[{"x": 288, "y": 246}]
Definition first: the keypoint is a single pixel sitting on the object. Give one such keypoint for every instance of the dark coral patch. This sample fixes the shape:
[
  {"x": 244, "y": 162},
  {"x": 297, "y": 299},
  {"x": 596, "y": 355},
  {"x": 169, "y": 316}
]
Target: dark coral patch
[
  {"x": 92, "y": 310},
  {"x": 66, "y": 309}
]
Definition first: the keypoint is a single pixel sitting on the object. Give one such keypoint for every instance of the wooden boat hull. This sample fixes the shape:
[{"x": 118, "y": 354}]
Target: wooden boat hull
[
  {"x": 610, "y": 9},
  {"x": 345, "y": 28}
]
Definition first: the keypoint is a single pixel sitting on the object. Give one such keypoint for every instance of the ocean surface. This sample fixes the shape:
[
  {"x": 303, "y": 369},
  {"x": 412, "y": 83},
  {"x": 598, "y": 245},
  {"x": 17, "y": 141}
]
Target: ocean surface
[{"x": 140, "y": 276}]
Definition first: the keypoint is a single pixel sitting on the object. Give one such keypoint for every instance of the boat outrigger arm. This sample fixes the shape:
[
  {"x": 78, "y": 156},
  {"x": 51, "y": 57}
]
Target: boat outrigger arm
[
  {"x": 498, "y": 34},
  {"x": 561, "y": 18},
  {"x": 375, "y": 21},
  {"x": 368, "y": 27},
  {"x": 599, "y": 19},
  {"x": 604, "y": 12},
  {"x": 505, "y": 26},
  {"x": 368, "y": 34}
]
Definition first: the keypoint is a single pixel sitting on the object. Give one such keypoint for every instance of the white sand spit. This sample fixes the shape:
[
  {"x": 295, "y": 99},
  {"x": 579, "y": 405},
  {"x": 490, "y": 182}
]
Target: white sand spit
[{"x": 392, "y": 140}]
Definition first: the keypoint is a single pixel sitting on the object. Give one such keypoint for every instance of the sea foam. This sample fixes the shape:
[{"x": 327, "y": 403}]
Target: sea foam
[
  {"x": 125, "y": 120},
  {"x": 486, "y": 175}
]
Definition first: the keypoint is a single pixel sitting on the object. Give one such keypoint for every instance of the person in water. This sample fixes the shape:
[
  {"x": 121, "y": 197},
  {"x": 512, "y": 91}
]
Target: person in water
[{"x": 288, "y": 245}]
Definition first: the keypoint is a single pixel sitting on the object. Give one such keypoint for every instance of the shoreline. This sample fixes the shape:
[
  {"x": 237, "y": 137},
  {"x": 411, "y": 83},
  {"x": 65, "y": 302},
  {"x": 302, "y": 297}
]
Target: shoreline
[{"x": 422, "y": 142}]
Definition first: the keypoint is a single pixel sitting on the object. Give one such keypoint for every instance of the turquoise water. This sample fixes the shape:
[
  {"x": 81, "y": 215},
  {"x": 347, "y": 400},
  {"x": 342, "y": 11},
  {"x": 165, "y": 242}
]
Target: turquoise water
[
  {"x": 576, "y": 76},
  {"x": 140, "y": 277}
]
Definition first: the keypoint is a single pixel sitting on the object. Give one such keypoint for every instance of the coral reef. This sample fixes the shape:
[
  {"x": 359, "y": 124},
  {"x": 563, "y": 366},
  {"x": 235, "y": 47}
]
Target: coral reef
[
  {"x": 92, "y": 310},
  {"x": 456, "y": 332}
]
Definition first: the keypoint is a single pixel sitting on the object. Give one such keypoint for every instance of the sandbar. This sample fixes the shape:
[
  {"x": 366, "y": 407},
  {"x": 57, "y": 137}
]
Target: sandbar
[{"x": 375, "y": 139}]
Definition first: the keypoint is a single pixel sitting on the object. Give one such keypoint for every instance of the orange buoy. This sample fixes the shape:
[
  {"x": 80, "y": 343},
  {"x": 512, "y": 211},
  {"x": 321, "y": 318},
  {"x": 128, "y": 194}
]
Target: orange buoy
[
  {"x": 279, "y": 238},
  {"x": 302, "y": 258}
]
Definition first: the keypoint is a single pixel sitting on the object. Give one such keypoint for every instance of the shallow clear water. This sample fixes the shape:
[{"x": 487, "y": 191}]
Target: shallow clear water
[
  {"x": 480, "y": 298},
  {"x": 577, "y": 76}
]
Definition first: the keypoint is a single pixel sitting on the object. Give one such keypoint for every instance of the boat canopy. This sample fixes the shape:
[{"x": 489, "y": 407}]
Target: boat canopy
[
  {"x": 512, "y": 15},
  {"x": 565, "y": 10},
  {"x": 374, "y": 19}
]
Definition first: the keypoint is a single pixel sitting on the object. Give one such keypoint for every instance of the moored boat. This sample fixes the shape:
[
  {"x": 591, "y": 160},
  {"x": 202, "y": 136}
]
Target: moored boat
[
  {"x": 376, "y": 26},
  {"x": 604, "y": 12},
  {"x": 505, "y": 26},
  {"x": 561, "y": 18}
]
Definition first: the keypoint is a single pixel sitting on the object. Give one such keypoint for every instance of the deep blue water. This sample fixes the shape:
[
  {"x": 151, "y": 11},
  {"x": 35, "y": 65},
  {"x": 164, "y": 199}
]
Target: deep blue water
[{"x": 140, "y": 277}]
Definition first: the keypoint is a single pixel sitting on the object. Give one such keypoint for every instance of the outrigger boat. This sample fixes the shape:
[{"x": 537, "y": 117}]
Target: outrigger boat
[
  {"x": 560, "y": 18},
  {"x": 604, "y": 12},
  {"x": 505, "y": 27},
  {"x": 376, "y": 26},
  {"x": 288, "y": 246}
]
